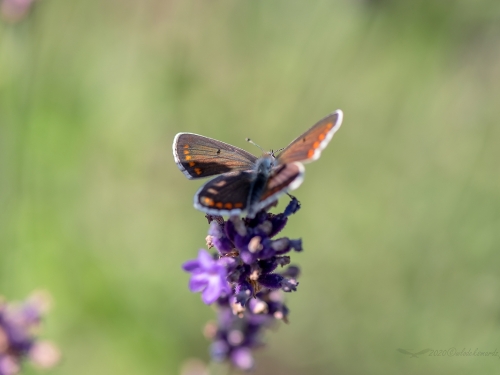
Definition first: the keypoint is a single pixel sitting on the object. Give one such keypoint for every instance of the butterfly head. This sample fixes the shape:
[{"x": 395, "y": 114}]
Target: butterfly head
[{"x": 265, "y": 164}]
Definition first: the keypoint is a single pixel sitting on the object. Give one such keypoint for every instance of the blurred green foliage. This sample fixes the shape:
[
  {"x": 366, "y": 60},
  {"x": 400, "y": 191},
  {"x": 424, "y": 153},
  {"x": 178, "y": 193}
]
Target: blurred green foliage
[{"x": 400, "y": 217}]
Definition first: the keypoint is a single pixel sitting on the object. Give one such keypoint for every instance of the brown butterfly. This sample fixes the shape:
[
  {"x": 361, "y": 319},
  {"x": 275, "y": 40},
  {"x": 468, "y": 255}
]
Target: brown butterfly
[{"x": 244, "y": 182}]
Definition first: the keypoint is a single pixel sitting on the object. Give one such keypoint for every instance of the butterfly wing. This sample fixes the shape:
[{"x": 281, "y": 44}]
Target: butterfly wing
[
  {"x": 284, "y": 178},
  {"x": 226, "y": 194},
  {"x": 198, "y": 156},
  {"x": 309, "y": 145}
]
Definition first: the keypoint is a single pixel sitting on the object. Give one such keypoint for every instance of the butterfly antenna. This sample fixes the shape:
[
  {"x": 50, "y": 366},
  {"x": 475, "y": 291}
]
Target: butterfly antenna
[{"x": 255, "y": 144}]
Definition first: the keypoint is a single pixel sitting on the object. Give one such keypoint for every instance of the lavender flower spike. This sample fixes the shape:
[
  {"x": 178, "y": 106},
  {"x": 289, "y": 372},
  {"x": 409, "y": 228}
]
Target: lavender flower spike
[
  {"x": 208, "y": 276},
  {"x": 18, "y": 343},
  {"x": 245, "y": 280}
]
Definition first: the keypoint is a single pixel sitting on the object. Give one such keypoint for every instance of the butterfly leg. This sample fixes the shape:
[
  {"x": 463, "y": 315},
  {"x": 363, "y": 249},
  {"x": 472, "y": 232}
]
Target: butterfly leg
[{"x": 293, "y": 206}]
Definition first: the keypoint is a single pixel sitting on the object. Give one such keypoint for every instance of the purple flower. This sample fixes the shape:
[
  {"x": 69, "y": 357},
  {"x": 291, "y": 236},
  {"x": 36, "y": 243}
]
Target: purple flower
[
  {"x": 18, "y": 321},
  {"x": 15, "y": 10},
  {"x": 208, "y": 276},
  {"x": 244, "y": 281}
]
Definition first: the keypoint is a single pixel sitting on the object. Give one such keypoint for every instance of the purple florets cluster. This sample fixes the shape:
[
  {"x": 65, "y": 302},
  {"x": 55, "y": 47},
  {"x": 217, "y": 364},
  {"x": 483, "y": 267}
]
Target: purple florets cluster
[
  {"x": 242, "y": 279},
  {"x": 15, "y": 10},
  {"x": 18, "y": 325}
]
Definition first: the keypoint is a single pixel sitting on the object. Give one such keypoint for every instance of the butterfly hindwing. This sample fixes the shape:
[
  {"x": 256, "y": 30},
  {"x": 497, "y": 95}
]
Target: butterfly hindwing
[
  {"x": 226, "y": 194},
  {"x": 198, "y": 156},
  {"x": 284, "y": 178},
  {"x": 309, "y": 145}
]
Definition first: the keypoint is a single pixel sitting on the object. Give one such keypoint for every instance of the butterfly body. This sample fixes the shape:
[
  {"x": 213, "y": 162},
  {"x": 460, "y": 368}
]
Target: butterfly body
[
  {"x": 245, "y": 183},
  {"x": 263, "y": 168}
]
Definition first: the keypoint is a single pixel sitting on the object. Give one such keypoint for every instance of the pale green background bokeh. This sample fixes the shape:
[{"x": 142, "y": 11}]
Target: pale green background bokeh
[{"x": 400, "y": 218}]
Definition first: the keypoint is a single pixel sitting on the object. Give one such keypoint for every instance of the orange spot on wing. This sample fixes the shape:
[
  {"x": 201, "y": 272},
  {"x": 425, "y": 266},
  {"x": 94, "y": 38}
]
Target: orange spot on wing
[
  {"x": 228, "y": 206},
  {"x": 186, "y": 146},
  {"x": 238, "y": 205},
  {"x": 208, "y": 201},
  {"x": 218, "y": 205},
  {"x": 310, "y": 154},
  {"x": 197, "y": 171},
  {"x": 188, "y": 157},
  {"x": 329, "y": 125},
  {"x": 192, "y": 163},
  {"x": 186, "y": 152},
  {"x": 316, "y": 144},
  {"x": 321, "y": 137}
]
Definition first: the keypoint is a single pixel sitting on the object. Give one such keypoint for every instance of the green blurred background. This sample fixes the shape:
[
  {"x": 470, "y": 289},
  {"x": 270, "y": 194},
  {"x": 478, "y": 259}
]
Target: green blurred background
[{"x": 400, "y": 217}]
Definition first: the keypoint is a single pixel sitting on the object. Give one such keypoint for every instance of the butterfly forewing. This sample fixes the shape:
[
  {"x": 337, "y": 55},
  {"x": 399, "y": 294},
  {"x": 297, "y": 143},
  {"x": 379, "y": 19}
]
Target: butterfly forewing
[
  {"x": 309, "y": 145},
  {"x": 226, "y": 194},
  {"x": 198, "y": 156}
]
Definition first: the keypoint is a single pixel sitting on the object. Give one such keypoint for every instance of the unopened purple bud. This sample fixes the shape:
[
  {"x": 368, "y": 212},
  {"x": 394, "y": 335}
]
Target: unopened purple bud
[
  {"x": 219, "y": 350},
  {"x": 244, "y": 292},
  {"x": 283, "y": 260},
  {"x": 296, "y": 244},
  {"x": 235, "y": 337},
  {"x": 257, "y": 306},
  {"x": 289, "y": 285},
  {"x": 8, "y": 365},
  {"x": 281, "y": 245},
  {"x": 271, "y": 280},
  {"x": 278, "y": 222},
  {"x": 266, "y": 227},
  {"x": 242, "y": 358},
  {"x": 239, "y": 226},
  {"x": 291, "y": 272},
  {"x": 247, "y": 257},
  {"x": 255, "y": 245},
  {"x": 268, "y": 265}
]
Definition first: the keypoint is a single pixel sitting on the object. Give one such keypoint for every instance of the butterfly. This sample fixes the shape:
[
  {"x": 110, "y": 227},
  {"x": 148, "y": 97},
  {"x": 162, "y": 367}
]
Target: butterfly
[{"x": 244, "y": 182}]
